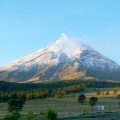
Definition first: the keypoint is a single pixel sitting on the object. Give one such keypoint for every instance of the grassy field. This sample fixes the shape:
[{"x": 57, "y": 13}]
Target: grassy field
[{"x": 67, "y": 106}]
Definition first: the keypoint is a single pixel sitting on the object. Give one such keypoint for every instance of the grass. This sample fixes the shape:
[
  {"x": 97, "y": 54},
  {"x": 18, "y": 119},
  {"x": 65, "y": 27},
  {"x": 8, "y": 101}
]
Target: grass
[{"x": 64, "y": 107}]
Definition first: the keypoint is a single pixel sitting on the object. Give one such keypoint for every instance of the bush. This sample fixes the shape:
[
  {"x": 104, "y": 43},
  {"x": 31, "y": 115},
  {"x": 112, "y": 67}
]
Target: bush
[
  {"x": 30, "y": 116},
  {"x": 12, "y": 116},
  {"x": 52, "y": 115},
  {"x": 42, "y": 113}
]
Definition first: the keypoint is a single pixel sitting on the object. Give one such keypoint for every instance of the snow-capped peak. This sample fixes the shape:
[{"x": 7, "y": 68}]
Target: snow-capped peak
[
  {"x": 52, "y": 63},
  {"x": 70, "y": 46}
]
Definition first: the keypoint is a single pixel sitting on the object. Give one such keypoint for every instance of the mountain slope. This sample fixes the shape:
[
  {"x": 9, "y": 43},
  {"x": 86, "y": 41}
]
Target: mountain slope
[{"x": 65, "y": 60}]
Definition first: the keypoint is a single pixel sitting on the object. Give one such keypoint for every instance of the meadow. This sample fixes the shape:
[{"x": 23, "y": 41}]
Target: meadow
[{"x": 68, "y": 105}]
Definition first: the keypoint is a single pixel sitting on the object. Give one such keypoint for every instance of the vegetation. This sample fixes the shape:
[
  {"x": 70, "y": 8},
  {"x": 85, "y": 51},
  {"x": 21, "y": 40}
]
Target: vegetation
[
  {"x": 38, "y": 91},
  {"x": 81, "y": 99},
  {"x": 50, "y": 89},
  {"x": 52, "y": 115},
  {"x": 65, "y": 107},
  {"x": 15, "y": 104},
  {"x": 15, "y": 115},
  {"x": 30, "y": 116},
  {"x": 12, "y": 116},
  {"x": 27, "y": 99},
  {"x": 93, "y": 101}
]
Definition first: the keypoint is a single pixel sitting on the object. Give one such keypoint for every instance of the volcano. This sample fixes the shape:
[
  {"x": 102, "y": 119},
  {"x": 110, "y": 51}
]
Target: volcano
[{"x": 66, "y": 59}]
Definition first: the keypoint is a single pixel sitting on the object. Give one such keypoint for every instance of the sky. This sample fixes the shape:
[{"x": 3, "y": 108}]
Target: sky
[{"x": 29, "y": 25}]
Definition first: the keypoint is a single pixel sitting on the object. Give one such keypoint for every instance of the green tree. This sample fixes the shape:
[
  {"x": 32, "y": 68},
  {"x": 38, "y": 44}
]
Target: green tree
[
  {"x": 51, "y": 115},
  {"x": 93, "y": 101},
  {"x": 15, "y": 104},
  {"x": 81, "y": 99},
  {"x": 13, "y": 96}
]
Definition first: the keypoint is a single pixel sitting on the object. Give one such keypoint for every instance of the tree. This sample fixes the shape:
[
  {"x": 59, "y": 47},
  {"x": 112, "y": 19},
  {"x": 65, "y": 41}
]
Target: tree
[
  {"x": 115, "y": 92},
  {"x": 13, "y": 96},
  {"x": 107, "y": 93},
  {"x": 81, "y": 99},
  {"x": 51, "y": 115},
  {"x": 98, "y": 92},
  {"x": 29, "y": 96},
  {"x": 15, "y": 104},
  {"x": 93, "y": 101}
]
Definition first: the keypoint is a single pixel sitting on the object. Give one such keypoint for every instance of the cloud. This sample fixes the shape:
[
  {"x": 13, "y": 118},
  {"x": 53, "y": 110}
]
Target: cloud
[{"x": 68, "y": 45}]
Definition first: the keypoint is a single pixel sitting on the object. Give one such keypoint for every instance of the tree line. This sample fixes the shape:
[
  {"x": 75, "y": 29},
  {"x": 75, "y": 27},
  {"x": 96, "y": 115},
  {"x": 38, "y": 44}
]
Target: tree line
[
  {"x": 48, "y": 89},
  {"x": 34, "y": 92}
]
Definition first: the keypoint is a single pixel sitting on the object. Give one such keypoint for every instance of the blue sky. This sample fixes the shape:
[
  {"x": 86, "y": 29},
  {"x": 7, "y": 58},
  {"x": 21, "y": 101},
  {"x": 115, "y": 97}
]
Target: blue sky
[{"x": 28, "y": 25}]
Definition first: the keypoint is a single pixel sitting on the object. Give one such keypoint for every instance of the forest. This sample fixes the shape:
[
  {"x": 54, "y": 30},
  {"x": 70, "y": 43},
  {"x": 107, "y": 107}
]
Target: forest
[{"x": 43, "y": 90}]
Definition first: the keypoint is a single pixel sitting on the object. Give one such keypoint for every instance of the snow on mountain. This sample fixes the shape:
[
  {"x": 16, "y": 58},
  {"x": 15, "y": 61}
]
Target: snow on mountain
[
  {"x": 66, "y": 59},
  {"x": 68, "y": 46}
]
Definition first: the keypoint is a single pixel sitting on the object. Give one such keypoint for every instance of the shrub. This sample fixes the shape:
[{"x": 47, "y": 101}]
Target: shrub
[
  {"x": 30, "y": 116},
  {"x": 12, "y": 116},
  {"x": 52, "y": 115}
]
